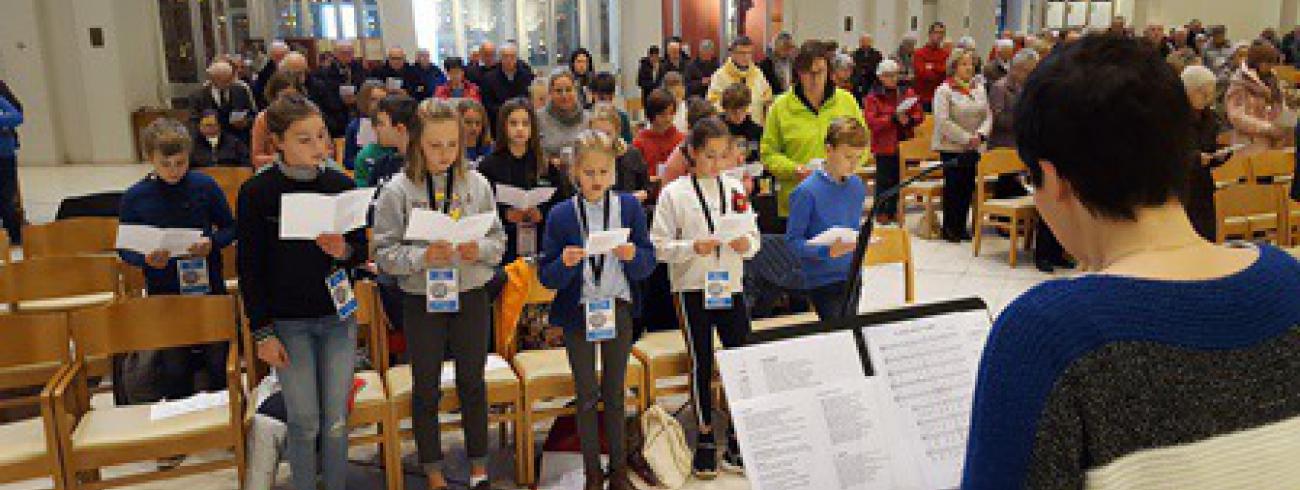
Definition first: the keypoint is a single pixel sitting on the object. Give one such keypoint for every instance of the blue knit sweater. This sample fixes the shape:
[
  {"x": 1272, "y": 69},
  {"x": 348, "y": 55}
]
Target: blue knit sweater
[
  {"x": 818, "y": 204},
  {"x": 196, "y": 202},
  {"x": 10, "y": 119},
  {"x": 1094, "y": 378}
]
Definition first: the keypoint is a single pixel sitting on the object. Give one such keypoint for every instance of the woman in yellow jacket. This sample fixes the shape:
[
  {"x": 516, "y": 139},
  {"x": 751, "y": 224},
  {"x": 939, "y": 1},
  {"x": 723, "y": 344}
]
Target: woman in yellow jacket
[{"x": 795, "y": 132}]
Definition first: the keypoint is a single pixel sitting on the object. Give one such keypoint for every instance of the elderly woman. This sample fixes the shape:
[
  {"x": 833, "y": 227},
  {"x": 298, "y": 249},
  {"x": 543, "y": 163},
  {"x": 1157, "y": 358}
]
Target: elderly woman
[
  {"x": 890, "y": 124},
  {"x": 962, "y": 122},
  {"x": 906, "y": 48},
  {"x": 842, "y": 74},
  {"x": 1171, "y": 354},
  {"x": 563, "y": 119},
  {"x": 1254, "y": 101},
  {"x": 1003, "y": 95},
  {"x": 1199, "y": 82}
]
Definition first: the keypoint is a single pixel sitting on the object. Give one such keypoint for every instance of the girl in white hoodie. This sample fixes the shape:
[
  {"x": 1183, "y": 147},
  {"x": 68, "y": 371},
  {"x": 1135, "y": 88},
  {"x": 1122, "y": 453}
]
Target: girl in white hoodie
[{"x": 706, "y": 266}]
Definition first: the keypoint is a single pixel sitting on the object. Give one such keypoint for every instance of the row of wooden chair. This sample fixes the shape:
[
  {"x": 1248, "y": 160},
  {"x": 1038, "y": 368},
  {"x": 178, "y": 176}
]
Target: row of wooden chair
[{"x": 1252, "y": 198}]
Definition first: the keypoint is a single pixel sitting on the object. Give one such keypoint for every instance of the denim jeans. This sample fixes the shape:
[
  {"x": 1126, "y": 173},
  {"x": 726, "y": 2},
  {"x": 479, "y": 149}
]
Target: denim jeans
[
  {"x": 316, "y": 386},
  {"x": 828, "y": 300}
]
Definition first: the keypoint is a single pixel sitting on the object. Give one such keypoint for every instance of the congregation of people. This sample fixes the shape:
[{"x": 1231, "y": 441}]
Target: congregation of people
[{"x": 447, "y": 136}]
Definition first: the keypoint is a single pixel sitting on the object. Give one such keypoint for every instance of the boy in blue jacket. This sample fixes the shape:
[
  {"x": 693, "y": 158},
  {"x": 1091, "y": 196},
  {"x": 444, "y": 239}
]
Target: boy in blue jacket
[
  {"x": 593, "y": 301},
  {"x": 831, "y": 197},
  {"x": 172, "y": 196}
]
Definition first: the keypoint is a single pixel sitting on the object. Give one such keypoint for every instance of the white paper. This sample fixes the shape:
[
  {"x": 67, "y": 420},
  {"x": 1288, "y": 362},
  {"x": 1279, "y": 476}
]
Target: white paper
[
  {"x": 197, "y": 403},
  {"x": 906, "y": 104},
  {"x": 834, "y": 234},
  {"x": 393, "y": 83},
  {"x": 305, "y": 215},
  {"x": 347, "y": 90},
  {"x": 797, "y": 363},
  {"x": 494, "y": 362},
  {"x": 366, "y": 132},
  {"x": 733, "y": 226},
  {"x": 602, "y": 242},
  {"x": 740, "y": 172},
  {"x": 434, "y": 226},
  {"x": 148, "y": 239},
  {"x": 523, "y": 199},
  {"x": 930, "y": 366}
]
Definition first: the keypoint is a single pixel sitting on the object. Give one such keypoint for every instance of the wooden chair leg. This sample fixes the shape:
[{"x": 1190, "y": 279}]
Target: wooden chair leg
[{"x": 979, "y": 234}]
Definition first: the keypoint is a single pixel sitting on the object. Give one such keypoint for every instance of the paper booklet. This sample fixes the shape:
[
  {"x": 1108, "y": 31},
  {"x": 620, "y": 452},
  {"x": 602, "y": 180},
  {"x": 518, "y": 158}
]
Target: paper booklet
[
  {"x": 809, "y": 417},
  {"x": 434, "y": 226},
  {"x": 833, "y": 234},
  {"x": 739, "y": 172},
  {"x": 523, "y": 199},
  {"x": 906, "y": 104},
  {"x": 306, "y": 215},
  {"x": 602, "y": 242},
  {"x": 734, "y": 225},
  {"x": 147, "y": 239}
]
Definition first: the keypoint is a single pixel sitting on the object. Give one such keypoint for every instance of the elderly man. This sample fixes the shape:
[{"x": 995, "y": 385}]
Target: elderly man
[
  {"x": 484, "y": 61},
  {"x": 865, "y": 60},
  {"x": 700, "y": 70},
  {"x": 1155, "y": 36},
  {"x": 228, "y": 97},
  {"x": 321, "y": 91},
  {"x": 740, "y": 68},
  {"x": 508, "y": 80},
  {"x": 345, "y": 76},
  {"x": 276, "y": 54},
  {"x": 396, "y": 74},
  {"x": 778, "y": 68},
  {"x": 930, "y": 62},
  {"x": 1000, "y": 64},
  {"x": 431, "y": 76},
  {"x": 674, "y": 58}
]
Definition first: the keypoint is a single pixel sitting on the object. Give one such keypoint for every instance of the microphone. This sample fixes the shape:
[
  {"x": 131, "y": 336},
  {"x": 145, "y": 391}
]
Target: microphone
[{"x": 854, "y": 283}]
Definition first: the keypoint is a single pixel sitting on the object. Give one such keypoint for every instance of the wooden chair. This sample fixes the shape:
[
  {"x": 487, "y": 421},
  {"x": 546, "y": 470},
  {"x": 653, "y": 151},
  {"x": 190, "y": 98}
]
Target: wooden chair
[
  {"x": 634, "y": 107},
  {"x": 229, "y": 179},
  {"x": 914, "y": 155},
  {"x": 1247, "y": 211},
  {"x": 1016, "y": 215},
  {"x": 34, "y": 350},
  {"x": 371, "y": 405},
  {"x": 783, "y": 321},
  {"x": 1276, "y": 168},
  {"x": 545, "y": 376},
  {"x": 93, "y": 439},
  {"x": 1235, "y": 170},
  {"x": 60, "y": 283},
  {"x": 6, "y": 248},
  {"x": 892, "y": 245},
  {"x": 71, "y": 236}
]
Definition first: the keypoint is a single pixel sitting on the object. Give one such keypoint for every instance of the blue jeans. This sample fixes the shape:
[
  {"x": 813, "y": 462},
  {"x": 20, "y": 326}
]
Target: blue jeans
[
  {"x": 316, "y": 385},
  {"x": 828, "y": 300}
]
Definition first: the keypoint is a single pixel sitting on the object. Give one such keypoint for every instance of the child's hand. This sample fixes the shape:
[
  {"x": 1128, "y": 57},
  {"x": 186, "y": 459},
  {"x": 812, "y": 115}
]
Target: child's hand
[
  {"x": 333, "y": 245},
  {"x": 158, "y": 259},
  {"x": 705, "y": 247},
  {"x": 841, "y": 247},
  {"x": 740, "y": 245},
  {"x": 625, "y": 252},
  {"x": 468, "y": 251},
  {"x": 201, "y": 248},
  {"x": 641, "y": 195},
  {"x": 572, "y": 255},
  {"x": 438, "y": 254},
  {"x": 803, "y": 171}
]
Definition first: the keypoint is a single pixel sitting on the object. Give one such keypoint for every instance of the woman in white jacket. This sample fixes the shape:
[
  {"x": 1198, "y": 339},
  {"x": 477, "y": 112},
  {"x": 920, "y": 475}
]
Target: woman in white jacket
[
  {"x": 692, "y": 233},
  {"x": 962, "y": 122}
]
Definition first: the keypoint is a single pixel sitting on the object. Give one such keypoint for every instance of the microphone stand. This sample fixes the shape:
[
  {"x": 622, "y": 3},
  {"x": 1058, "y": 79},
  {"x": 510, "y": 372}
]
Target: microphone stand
[{"x": 850, "y": 308}]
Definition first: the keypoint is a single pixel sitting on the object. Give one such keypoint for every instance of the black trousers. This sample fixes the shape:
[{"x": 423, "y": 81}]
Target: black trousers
[
  {"x": 609, "y": 388},
  {"x": 958, "y": 191},
  {"x": 178, "y": 366},
  {"x": 733, "y": 328},
  {"x": 887, "y": 176},
  {"x": 9, "y": 198},
  {"x": 828, "y": 300}
]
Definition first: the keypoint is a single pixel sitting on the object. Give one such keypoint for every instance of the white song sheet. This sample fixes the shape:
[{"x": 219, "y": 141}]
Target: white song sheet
[
  {"x": 735, "y": 225},
  {"x": 601, "y": 242},
  {"x": 306, "y": 215},
  {"x": 432, "y": 226},
  {"x": 523, "y": 199},
  {"x": 930, "y": 365},
  {"x": 147, "y": 239}
]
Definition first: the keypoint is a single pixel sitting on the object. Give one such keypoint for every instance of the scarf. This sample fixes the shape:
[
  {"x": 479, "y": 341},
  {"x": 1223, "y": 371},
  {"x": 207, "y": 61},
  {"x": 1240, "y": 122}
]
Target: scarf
[
  {"x": 962, "y": 87},
  {"x": 572, "y": 119},
  {"x": 298, "y": 173}
]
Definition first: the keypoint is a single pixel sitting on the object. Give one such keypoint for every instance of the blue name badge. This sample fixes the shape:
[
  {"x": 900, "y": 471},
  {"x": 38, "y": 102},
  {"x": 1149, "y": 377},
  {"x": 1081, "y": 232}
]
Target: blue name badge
[
  {"x": 345, "y": 302},
  {"x": 192, "y": 275},
  {"x": 717, "y": 290},
  {"x": 442, "y": 291},
  {"x": 600, "y": 320}
]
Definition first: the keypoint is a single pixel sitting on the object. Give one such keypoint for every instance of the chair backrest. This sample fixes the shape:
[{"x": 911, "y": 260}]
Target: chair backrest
[
  {"x": 230, "y": 263},
  {"x": 893, "y": 246},
  {"x": 72, "y": 236},
  {"x": 1000, "y": 161},
  {"x": 1272, "y": 165},
  {"x": 1235, "y": 170},
  {"x": 33, "y": 338},
  {"x": 152, "y": 323},
  {"x": 229, "y": 179},
  {"x": 916, "y": 149},
  {"x": 6, "y": 252},
  {"x": 58, "y": 277},
  {"x": 1245, "y": 200}
]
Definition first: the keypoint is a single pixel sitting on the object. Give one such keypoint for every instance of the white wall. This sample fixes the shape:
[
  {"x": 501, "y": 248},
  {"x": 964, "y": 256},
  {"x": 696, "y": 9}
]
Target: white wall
[
  {"x": 1244, "y": 19},
  {"x": 22, "y": 55},
  {"x": 640, "y": 24}
]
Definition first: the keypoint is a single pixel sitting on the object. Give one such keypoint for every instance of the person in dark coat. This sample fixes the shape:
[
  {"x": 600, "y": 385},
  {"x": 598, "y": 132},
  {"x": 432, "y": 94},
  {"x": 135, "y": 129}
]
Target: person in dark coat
[
  {"x": 230, "y": 99},
  {"x": 509, "y": 80},
  {"x": 778, "y": 67},
  {"x": 215, "y": 148},
  {"x": 398, "y": 75},
  {"x": 865, "y": 60},
  {"x": 1200, "y": 84},
  {"x": 346, "y": 75},
  {"x": 431, "y": 75},
  {"x": 650, "y": 73},
  {"x": 275, "y": 54},
  {"x": 699, "y": 72}
]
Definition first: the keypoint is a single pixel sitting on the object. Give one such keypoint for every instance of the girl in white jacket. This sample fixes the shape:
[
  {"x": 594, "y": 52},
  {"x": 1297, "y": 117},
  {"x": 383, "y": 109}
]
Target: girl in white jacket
[{"x": 704, "y": 230}]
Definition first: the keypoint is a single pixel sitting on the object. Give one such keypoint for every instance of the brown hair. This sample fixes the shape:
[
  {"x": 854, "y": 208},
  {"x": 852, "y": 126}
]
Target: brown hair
[
  {"x": 366, "y": 95},
  {"x": 706, "y": 129},
  {"x": 697, "y": 108},
  {"x": 468, "y": 104},
  {"x": 846, "y": 131},
  {"x": 433, "y": 111},
  {"x": 809, "y": 52},
  {"x": 593, "y": 142},
  {"x": 605, "y": 111},
  {"x": 736, "y": 96},
  {"x": 502, "y": 146},
  {"x": 1260, "y": 53},
  {"x": 658, "y": 102},
  {"x": 166, "y": 136},
  {"x": 286, "y": 110},
  {"x": 280, "y": 81}
]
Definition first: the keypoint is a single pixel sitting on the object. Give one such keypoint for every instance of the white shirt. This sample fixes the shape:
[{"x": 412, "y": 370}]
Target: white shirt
[{"x": 679, "y": 221}]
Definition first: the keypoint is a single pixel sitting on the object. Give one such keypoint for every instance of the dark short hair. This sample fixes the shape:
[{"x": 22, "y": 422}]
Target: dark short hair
[
  {"x": 652, "y": 50},
  {"x": 658, "y": 102},
  {"x": 936, "y": 26},
  {"x": 400, "y": 109},
  {"x": 453, "y": 63},
  {"x": 603, "y": 83},
  {"x": 697, "y": 108},
  {"x": 809, "y": 52},
  {"x": 736, "y": 95},
  {"x": 706, "y": 129},
  {"x": 741, "y": 40},
  {"x": 1113, "y": 118}
]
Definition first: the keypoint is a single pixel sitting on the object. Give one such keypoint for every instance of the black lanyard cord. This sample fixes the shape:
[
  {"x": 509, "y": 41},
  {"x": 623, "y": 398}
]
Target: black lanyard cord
[
  {"x": 446, "y": 201},
  {"x": 597, "y": 266},
  {"x": 704, "y": 205}
]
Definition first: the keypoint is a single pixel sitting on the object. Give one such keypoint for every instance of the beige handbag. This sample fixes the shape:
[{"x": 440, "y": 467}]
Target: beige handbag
[{"x": 666, "y": 449}]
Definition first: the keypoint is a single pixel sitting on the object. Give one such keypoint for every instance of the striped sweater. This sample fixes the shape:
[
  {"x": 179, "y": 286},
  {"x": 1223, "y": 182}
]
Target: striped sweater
[{"x": 1106, "y": 382}]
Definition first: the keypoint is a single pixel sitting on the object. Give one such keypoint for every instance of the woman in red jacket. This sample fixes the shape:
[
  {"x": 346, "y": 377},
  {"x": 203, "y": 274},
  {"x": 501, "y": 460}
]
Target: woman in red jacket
[{"x": 892, "y": 114}]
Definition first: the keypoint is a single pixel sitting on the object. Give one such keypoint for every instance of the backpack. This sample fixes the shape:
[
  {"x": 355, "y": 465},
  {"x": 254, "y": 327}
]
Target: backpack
[{"x": 665, "y": 448}]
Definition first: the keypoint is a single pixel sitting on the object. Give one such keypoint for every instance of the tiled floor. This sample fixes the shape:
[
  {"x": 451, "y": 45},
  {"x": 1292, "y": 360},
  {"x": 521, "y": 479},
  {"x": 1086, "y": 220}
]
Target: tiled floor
[{"x": 943, "y": 271}]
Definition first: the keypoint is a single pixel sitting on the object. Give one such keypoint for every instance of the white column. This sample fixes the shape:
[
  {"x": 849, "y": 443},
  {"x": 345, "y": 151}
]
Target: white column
[
  {"x": 640, "y": 24},
  {"x": 23, "y": 65},
  {"x": 397, "y": 21}
]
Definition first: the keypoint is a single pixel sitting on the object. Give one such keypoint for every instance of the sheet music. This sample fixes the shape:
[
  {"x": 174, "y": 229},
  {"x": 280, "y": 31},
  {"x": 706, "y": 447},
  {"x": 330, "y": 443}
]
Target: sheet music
[
  {"x": 197, "y": 403},
  {"x": 431, "y": 226},
  {"x": 306, "y": 215},
  {"x": 761, "y": 370},
  {"x": 930, "y": 365},
  {"x": 834, "y": 234}
]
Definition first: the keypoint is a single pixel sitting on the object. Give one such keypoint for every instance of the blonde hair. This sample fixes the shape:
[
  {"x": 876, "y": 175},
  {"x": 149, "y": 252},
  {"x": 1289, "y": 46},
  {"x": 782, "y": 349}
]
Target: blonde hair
[
  {"x": 593, "y": 143},
  {"x": 430, "y": 112},
  {"x": 605, "y": 111}
]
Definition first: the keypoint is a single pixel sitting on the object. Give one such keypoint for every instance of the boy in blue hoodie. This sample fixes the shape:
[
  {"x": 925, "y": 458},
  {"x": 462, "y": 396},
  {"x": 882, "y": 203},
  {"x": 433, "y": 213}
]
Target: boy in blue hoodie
[
  {"x": 829, "y": 198},
  {"x": 173, "y": 196},
  {"x": 593, "y": 301}
]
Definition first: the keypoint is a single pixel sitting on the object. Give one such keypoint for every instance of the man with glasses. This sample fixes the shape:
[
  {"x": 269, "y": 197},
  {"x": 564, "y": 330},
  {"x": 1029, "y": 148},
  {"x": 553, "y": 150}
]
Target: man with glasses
[
  {"x": 396, "y": 74},
  {"x": 508, "y": 80}
]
